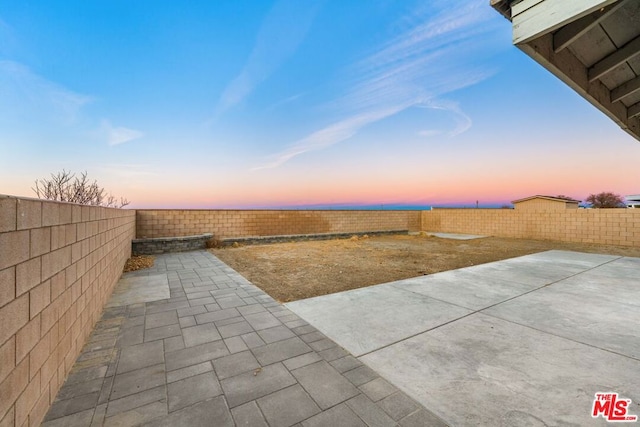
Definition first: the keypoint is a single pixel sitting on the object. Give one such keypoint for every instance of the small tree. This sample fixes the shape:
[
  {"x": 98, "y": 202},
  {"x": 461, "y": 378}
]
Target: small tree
[
  {"x": 606, "y": 199},
  {"x": 67, "y": 187}
]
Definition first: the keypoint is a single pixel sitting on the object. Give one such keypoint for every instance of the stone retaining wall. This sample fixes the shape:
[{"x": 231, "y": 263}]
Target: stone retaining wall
[{"x": 161, "y": 245}]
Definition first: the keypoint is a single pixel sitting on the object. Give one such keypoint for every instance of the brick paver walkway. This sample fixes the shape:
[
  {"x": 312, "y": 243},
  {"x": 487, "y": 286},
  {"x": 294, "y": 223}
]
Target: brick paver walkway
[{"x": 220, "y": 352}]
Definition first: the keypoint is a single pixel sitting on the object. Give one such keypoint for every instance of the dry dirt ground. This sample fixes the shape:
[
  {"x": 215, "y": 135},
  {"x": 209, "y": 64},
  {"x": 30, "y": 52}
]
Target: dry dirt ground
[{"x": 298, "y": 270}]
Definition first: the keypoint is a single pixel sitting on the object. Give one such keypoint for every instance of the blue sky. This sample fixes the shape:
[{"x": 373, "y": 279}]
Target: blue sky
[{"x": 294, "y": 103}]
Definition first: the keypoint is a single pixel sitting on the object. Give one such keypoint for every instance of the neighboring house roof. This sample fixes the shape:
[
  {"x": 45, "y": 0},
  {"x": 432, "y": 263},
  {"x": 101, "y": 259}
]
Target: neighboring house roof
[
  {"x": 633, "y": 198},
  {"x": 591, "y": 45},
  {"x": 552, "y": 198}
]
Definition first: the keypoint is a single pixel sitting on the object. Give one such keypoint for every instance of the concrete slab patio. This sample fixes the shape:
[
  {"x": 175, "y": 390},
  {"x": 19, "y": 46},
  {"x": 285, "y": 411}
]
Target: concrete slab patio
[
  {"x": 526, "y": 341},
  {"x": 190, "y": 342}
]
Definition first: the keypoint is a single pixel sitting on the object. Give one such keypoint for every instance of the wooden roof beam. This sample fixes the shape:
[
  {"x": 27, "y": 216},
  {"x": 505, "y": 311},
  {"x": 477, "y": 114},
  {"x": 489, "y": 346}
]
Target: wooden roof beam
[
  {"x": 566, "y": 66},
  {"x": 502, "y": 6},
  {"x": 608, "y": 63},
  {"x": 634, "y": 110},
  {"x": 573, "y": 31},
  {"x": 625, "y": 89},
  {"x": 535, "y": 18}
]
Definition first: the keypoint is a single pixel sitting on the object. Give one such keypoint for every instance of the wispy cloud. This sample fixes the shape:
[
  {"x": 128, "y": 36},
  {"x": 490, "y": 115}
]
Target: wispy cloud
[
  {"x": 463, "y": 121},
  {"x": 282, "y": 31},
  {"x": 116, "y": 135},
  {"x": 435, "y": 54},
  {"x": 26, "y": 91},
  {"x": 330, "y": 135},
  {"x": 28, "y": 96}
]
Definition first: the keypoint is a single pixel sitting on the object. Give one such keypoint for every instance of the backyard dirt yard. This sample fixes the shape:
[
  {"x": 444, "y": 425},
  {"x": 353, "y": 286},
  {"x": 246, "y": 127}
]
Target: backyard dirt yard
[{"x": 298, "y": 270}]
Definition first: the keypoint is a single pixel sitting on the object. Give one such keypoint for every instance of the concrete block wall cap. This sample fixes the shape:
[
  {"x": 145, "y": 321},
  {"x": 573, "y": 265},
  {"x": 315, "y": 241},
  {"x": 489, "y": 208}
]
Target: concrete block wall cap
[{"x": 35, "y": 199}]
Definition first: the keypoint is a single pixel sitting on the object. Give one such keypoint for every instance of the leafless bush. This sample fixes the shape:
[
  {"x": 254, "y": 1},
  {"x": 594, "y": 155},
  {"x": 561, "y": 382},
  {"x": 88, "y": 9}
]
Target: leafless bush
[{"x": 65, "y": 186}]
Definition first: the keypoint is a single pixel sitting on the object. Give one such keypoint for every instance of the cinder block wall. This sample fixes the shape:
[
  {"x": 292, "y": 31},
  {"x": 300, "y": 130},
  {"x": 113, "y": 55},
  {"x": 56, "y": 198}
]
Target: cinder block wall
[
  {"x": 58, "y": 264},
  {"x": 248, "y": 223},
  {"x": 601, "y": 226}
]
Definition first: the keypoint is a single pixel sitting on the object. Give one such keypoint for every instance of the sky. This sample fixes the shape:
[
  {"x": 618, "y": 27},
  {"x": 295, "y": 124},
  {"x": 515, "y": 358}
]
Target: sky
[{"x": 290, "y": 103}]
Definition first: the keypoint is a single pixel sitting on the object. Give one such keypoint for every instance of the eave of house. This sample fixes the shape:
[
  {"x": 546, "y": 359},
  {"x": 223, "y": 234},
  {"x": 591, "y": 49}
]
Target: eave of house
[{"x": 591, "y": 45}]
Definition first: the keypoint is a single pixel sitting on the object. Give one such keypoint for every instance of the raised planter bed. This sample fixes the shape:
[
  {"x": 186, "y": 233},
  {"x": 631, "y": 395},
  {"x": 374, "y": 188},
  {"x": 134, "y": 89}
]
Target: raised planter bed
[{"x": 161, "y": 245}]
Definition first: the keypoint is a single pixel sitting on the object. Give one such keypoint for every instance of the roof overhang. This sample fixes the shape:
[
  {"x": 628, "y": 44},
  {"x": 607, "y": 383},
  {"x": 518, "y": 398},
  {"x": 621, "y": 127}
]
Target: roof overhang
[{"x": 591, "y": 45}]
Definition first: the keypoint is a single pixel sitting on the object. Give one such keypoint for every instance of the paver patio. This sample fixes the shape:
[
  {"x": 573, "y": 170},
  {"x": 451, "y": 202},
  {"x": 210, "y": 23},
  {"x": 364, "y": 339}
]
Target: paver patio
[{"x": 218, "y": 352}]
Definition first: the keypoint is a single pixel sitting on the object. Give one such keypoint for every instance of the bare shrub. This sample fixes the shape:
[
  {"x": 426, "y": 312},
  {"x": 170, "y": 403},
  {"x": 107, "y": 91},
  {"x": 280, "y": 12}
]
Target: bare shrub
[{"x": 65, "y": 186}]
